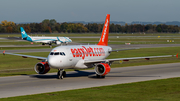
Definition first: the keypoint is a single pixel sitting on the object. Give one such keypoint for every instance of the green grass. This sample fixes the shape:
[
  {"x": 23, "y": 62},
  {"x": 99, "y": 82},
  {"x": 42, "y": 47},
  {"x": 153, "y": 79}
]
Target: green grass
[
  {"x": 15, "y": 65},
  {"x": 155, "y": 90}
]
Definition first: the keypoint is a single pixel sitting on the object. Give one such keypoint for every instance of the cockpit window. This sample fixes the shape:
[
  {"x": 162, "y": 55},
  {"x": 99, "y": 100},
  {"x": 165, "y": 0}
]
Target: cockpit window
[
  {"x": 51, "y": 53},
  {"x": 57, "y": 53},
  {"x": 63, "y": 53}
]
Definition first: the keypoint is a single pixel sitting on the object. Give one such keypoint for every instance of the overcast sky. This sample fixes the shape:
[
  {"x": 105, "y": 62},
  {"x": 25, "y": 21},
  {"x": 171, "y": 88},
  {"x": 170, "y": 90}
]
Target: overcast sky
[{"x": 89, "y": 10}]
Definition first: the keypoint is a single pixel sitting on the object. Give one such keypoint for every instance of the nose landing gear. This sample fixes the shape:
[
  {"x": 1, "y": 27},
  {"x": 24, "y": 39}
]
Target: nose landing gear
[{"x": 61, "y": 73}]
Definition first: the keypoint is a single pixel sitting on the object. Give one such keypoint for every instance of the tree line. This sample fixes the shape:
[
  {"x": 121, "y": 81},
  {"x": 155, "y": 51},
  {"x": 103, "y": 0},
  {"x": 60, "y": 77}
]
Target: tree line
[{"x": 52, "y": 26}]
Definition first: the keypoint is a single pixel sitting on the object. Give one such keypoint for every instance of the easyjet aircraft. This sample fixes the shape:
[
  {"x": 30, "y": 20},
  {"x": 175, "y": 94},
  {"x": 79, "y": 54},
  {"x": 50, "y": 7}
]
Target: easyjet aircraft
[{"x": 81, "y": 56}]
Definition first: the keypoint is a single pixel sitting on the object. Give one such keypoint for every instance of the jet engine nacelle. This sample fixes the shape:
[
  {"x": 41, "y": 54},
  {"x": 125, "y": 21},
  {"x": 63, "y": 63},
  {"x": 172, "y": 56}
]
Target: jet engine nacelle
[
  {"x": 58, "y": 42},
  {"x": 42, "y": 68},
  {"x": 102, "y": 69}
]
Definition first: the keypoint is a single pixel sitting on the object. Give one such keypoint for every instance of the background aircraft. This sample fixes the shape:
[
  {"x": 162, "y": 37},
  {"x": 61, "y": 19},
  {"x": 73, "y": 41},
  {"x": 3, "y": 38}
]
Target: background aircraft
[
  {"x": 45, "y": 40},
  {"x": 82, "y": 57}
]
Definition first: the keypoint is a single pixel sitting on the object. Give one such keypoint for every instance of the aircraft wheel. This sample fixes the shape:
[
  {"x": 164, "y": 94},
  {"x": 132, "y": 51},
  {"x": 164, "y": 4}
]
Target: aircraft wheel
[
  {"x": 103, "y": 76},
  {"x": 64, "y": 73},
  {"x": 98, "y": 76},
  {"x": 60, "y": 74},
  {"x": 61, "y": 77}
]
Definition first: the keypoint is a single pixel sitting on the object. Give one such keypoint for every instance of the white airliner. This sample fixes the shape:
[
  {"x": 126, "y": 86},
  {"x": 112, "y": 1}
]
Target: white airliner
[
  {"x": 81, "y": 57},
  {"x": 45, "y": 40}
]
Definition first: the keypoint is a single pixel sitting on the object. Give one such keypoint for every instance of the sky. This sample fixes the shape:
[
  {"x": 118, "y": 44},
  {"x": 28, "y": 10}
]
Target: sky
[{"x": 20, "y": 11}]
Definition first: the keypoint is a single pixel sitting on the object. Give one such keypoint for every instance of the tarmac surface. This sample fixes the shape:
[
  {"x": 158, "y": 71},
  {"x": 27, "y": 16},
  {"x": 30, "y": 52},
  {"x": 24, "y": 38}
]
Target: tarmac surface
[{"x": 35, "y": 84}]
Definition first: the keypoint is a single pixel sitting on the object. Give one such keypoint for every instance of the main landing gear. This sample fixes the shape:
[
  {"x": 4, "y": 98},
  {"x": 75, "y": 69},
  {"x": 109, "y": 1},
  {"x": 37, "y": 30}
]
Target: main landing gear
[
  {"x": 100, "y": 76},
  {"x": 61, "y": 73}
]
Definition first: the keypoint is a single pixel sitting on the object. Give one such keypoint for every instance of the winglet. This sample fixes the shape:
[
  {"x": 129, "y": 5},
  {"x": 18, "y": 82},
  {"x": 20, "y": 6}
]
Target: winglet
[
  {"x": 177, "y": 55},
  {"x": 104, "y": 37},
  {"x": 4, "y": 52}
]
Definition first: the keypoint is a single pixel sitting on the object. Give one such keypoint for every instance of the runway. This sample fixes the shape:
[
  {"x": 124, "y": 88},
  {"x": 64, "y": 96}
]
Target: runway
[{"x": 35, "y": 84}]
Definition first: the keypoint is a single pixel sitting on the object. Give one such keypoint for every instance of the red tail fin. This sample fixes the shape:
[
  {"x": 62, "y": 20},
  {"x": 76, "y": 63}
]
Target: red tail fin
[
  {"x": 104, "y": 36},
  {"x": 177, "y": 55}
]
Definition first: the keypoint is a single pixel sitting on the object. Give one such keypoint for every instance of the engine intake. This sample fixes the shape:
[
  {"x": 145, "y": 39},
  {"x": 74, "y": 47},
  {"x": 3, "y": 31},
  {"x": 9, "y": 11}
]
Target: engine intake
[
  {"x": 102, "y": 69},
  {"x": 42, "y": 68}
]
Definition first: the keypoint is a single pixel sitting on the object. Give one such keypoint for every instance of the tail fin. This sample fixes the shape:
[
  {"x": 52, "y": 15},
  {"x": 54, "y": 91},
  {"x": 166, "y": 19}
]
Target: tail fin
[
  {"x": 23, "y": 33},
  {"x": 177, "y": 55},
  {"x": 104, "y": 36}
]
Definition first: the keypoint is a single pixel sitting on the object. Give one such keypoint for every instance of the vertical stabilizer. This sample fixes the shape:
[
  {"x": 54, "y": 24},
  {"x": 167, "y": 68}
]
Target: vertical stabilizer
[
  {"x": 104, "y": 36},
  {"x": 23, "y": 33}
]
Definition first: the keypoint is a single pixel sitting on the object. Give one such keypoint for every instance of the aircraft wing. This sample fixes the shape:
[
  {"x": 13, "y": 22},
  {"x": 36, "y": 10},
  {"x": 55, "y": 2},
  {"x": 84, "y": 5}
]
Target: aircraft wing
[
  {"x": 26, "y": 56},
  {"x": 127, "y": 59},
  {"x": 123, "y": 49}
]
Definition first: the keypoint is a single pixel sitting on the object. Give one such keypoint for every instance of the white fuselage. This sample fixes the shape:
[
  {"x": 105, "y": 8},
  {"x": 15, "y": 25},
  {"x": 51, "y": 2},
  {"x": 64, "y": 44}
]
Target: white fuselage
[
  {"x": 50, "y": 39},
  {"x": 64, "y": 57}
]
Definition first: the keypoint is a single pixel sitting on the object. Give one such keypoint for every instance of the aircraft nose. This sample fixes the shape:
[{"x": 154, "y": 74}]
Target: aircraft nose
[{"x": 52, "y": 62}]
